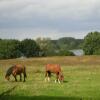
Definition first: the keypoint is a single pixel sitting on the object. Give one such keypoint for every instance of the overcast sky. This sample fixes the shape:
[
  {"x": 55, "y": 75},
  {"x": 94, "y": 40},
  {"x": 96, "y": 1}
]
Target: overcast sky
[{"x": 48, "y": 18}]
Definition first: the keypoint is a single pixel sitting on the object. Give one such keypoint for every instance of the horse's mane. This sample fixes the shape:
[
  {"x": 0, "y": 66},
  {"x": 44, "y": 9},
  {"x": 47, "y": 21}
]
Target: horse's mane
[{"x": 9, "y": 71}]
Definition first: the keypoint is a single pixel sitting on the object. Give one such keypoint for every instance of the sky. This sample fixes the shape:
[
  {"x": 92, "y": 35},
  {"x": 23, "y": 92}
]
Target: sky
[{"x": 20, "y": 19}]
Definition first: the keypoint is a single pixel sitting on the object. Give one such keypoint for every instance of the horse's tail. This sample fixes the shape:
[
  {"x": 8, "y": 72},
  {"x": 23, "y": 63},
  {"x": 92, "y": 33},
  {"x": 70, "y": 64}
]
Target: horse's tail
[{"x": 25, "y": 72}]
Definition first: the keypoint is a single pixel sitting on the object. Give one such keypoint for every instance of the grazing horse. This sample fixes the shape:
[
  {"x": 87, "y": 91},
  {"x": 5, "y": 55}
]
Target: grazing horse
[
  {"x": 56, "y": 69},
  {"x": 16, "y": 70}
]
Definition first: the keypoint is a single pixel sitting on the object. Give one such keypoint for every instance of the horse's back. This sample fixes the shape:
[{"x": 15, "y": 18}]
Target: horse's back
[
  {"x": 18, "y": 68},
  {"x": 53, "y": 68}
]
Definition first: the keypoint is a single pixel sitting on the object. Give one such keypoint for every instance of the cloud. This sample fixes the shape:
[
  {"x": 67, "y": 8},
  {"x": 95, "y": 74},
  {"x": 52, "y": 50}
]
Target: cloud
[
  {"x": 67, "y": 17},
  {"x": 50, "y": 8}
]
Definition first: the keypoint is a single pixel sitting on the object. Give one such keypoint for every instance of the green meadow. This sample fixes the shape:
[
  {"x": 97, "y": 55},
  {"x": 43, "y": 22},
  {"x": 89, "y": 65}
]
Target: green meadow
[{"x": 81, "y": 79}]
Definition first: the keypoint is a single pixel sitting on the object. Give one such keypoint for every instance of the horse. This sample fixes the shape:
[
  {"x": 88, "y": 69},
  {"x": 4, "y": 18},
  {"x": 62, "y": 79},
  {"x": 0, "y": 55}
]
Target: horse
[
  {"x": 56, "y": 69},
  {"x": 15, "y": 70}
]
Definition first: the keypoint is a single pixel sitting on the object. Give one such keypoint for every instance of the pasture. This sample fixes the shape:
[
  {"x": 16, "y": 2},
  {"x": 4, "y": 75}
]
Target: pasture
[{"x": 81, "y": 79}]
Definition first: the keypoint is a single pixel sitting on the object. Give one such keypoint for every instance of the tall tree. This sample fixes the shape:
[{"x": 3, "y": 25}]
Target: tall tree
[
  {"x": 29, "y": 48},
  {"x": 91, "y": 43},
  {"x": 44, "y": 44},
  {"x": 9, "y": 49}
]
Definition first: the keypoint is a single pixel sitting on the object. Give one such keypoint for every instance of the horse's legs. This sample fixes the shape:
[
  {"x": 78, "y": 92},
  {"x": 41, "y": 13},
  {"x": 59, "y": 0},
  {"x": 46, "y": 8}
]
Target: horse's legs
[
  {"x": 57, "y": 80},
  {"x": 15, "y": 78},
  {"x": 48, "y": 75},
  {"x": 48, "y": 79},
  {"x": 20, "y": 77}
]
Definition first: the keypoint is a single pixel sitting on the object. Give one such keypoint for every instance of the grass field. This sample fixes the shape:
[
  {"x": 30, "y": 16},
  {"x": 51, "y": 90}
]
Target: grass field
[{"x": 82, "y": 79}]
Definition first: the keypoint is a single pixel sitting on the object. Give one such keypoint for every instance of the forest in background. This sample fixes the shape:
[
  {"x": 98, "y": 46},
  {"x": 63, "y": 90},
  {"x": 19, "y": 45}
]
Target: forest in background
[{"x": 11, "y": 48}]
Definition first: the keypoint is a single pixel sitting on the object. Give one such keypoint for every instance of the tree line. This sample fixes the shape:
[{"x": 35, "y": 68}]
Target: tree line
[
  {"x": 11, "y": 48},
  {"x": 15, "y": 48}
]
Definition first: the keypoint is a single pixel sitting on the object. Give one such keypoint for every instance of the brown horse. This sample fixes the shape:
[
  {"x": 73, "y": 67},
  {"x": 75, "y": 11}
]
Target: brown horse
[
  {"x": 53, "y": 68},
  {"x": 16, "y": 70}
]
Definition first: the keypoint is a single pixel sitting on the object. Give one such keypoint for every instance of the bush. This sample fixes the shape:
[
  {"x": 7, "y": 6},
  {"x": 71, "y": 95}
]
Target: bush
[
  {"x": 91, "y": 43},
  {"x": 65, "y": 53}
]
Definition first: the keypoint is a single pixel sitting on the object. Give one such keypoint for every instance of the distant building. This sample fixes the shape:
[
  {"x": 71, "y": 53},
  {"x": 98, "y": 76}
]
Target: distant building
[{"x": 77, "y": 52}]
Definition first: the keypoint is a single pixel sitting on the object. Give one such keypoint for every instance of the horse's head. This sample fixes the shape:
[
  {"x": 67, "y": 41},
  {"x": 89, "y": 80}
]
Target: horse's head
[
  {"x": 8, "y": 73},
  {"x": 61, "y": 78},
  {"x": 7, "y": 77}
]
